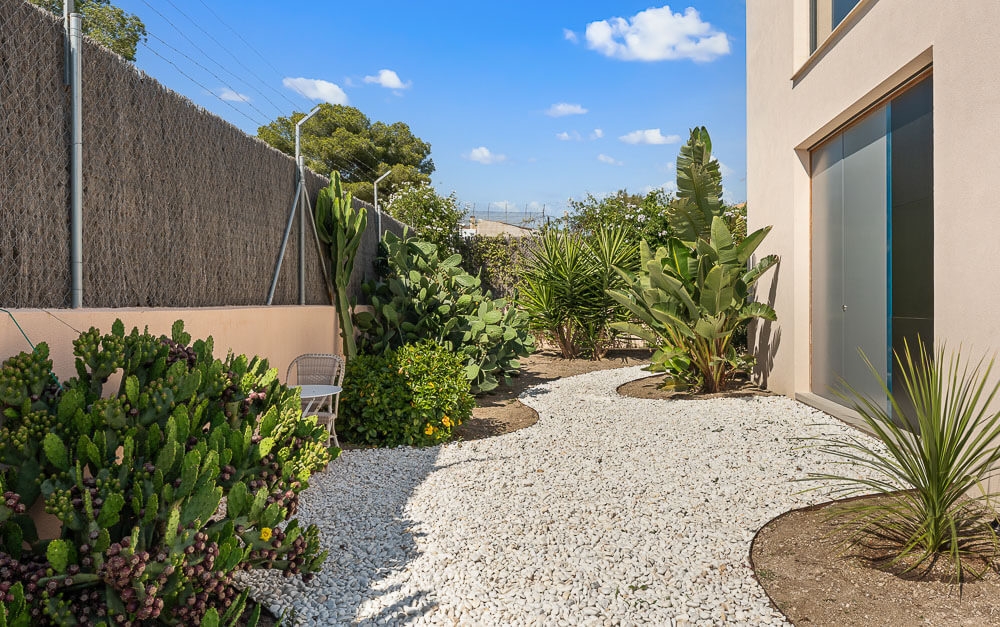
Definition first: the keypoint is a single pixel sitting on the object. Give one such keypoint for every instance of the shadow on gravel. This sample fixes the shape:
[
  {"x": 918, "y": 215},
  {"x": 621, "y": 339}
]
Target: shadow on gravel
[{"x": 359, "y": 505}]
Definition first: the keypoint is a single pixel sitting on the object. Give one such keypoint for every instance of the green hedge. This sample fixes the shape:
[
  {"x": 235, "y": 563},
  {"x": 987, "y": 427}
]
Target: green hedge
[{"x": 415, "y": 395}]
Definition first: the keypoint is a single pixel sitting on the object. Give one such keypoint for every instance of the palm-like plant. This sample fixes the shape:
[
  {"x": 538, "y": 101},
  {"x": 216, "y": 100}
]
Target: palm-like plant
[
  {"x": 693, "y": 295},
  {"x": 691, "y": 301},
  {"x": 565, "y": 286},
  {"x": 928, "y": 471}
]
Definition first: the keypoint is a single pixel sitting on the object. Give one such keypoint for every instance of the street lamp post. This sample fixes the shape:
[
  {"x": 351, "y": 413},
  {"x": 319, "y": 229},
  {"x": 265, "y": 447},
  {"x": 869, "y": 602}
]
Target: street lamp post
[{"x": 378, "y": 212}]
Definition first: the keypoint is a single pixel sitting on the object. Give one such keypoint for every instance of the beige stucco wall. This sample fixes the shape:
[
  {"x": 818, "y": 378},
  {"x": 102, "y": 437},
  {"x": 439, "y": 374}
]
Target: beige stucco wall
[
  {"x": 276, "y": 333},
  {"x": 877, "y": 48}
]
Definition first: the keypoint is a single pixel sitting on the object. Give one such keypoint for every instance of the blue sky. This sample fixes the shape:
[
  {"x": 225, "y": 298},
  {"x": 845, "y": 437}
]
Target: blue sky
[{"x": 528, "y": 103}]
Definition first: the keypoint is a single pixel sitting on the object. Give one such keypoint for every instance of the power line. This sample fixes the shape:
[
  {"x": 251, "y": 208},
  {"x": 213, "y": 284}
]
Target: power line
[
  {"x": 237, "y": 59},
  {"x": 199, "y": 49},
  {"x": 217, "y": 77},
  {"x": 356, "y": 166},
  {"x": 193, "y": 80},
  {"x": 245, "y": 42}
]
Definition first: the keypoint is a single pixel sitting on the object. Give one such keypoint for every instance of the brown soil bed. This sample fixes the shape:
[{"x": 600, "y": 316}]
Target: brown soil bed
[
  {"x": 815, "y": 577},
  {"x": 500, "y": 412},
  {"x": 652, "y": 387}
]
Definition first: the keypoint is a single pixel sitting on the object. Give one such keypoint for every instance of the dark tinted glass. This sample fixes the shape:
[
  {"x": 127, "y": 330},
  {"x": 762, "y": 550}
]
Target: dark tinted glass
[{"x": 841, "y": 8}]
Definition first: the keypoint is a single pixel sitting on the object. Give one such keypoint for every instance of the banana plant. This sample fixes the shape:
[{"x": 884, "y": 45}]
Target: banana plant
[
  {"x": 690, "y": 300},
  {"x": 340, "y": 226}
]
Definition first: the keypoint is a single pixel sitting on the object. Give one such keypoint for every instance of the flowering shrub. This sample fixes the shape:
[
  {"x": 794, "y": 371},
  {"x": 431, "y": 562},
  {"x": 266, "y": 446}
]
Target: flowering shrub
[
  {"x": 642, "y": 217},
  {"x": 415, "y": 395},
  {"x": 136, "y": 479},
  {"x": 435, "y": 218}
]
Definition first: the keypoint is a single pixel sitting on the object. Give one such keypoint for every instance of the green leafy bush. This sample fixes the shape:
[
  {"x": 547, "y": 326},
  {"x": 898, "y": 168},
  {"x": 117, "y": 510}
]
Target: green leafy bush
[
  {"x": 926, "y": 469},
  {"x": 421, "y": 296},
  {"x": 436, "y": 219},
  {"x": 692, "y": 295},
  {"x": 565, "y": 283},
  {"x": 496, "y": 259},
  {"x": 641, "y": 217},
  {"x": 136, "y": 479},
  {"x": 415, "y": 395}
]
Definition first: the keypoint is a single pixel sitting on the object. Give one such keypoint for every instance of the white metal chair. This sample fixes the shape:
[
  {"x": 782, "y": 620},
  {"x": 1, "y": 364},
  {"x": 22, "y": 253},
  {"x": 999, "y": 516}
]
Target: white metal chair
[{"x": 319, "y": 369}]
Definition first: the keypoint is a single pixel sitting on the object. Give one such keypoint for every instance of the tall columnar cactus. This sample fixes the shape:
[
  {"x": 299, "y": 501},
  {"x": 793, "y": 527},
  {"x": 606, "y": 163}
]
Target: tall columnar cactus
[{"x": 340, "y": 226}]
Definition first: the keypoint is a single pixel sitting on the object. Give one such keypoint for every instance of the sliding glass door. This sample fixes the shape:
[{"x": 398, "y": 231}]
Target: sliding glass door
[
  {"x": 872, "y": 244},
  {"x": 850, "y": 281}
]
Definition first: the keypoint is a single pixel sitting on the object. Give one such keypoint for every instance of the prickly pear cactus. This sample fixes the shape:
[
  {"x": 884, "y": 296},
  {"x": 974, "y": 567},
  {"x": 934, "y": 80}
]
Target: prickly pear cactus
[
  {"x": 422, "y": 296},
  {"x": 136, "y": 477}
]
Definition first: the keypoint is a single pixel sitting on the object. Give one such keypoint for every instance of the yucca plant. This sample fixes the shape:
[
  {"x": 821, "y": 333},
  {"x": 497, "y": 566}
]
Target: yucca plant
[
  {"x": 564, "y": 288},
  {"x": 931, "y": 471}
]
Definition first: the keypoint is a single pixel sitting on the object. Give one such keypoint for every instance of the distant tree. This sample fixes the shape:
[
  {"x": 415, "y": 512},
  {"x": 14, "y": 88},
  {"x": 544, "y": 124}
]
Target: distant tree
[
  {"x": 435, "y": 218},
  {"x": 645, "y": 217},
  {"x": 342, "y": 138},
  {"x": 105, "y": 23}
]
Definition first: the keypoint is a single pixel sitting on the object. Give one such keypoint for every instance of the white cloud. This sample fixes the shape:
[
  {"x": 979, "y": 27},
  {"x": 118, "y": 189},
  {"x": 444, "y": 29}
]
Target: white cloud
[
  {"x": 649, "y": 136},
  {"x": 566, "y": 137},
  {"x": 609, "y": 160},
  {"x": 670, "y": 187},
  {"x": 725, "y": 170},
  {"x": 316, "y": 89},
  {"x": 658, "y": 34},
  {"x": 388, "y": 79},
  {"x": 570, "y": 35},
  {"x": 483, "y": 155},
  {"x": 233, "y": 96},
  {"x": 560, "y": 109},
  {"x": 597, "y": 134}
]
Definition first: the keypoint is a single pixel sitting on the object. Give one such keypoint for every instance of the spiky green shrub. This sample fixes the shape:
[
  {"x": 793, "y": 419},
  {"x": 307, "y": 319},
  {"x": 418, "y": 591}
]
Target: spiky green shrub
[
  {"x": 136, "y": 476},
  {"x": 415, "y": 395},
  {"x": 932, "y": 470},
  {"x": 421, "y": 296},
  {"x": 565, "y": 283}
]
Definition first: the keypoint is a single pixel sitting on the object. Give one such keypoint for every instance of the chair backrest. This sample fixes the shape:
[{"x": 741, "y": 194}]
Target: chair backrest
[{"x": 316, "y": 369}]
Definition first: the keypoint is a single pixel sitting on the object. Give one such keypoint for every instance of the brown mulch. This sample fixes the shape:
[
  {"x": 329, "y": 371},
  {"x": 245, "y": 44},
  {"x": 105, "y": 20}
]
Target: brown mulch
[
  {"x": 652, "y": 387},
  {"x": 815, "y": 577}
]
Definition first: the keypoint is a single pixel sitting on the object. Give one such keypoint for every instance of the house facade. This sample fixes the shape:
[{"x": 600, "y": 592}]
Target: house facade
[{"x": 873, "y": 138}]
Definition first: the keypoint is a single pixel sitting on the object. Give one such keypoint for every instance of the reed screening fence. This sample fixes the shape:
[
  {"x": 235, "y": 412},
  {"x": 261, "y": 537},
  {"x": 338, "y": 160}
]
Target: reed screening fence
[{"x": 181, "y": 208}]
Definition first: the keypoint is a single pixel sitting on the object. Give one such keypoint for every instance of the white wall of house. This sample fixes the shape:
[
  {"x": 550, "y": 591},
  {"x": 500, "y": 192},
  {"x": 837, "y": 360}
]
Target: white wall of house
[{"x": 795, "y": 99}]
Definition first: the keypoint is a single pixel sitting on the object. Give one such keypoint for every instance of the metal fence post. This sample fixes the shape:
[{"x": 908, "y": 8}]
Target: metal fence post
[{"x": 76, "y": 160}]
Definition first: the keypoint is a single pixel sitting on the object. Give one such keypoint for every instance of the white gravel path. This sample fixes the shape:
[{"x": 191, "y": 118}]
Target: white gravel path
[{"x": 609, "y": 511}]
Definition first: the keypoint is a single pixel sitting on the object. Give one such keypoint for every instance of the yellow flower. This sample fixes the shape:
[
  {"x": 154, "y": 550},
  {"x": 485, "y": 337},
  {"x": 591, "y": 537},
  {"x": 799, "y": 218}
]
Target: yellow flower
[
  {"x": 265, "y": 534},
  {"x": 446, "y": 422},
  {"x": 429, "y": 430}
]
